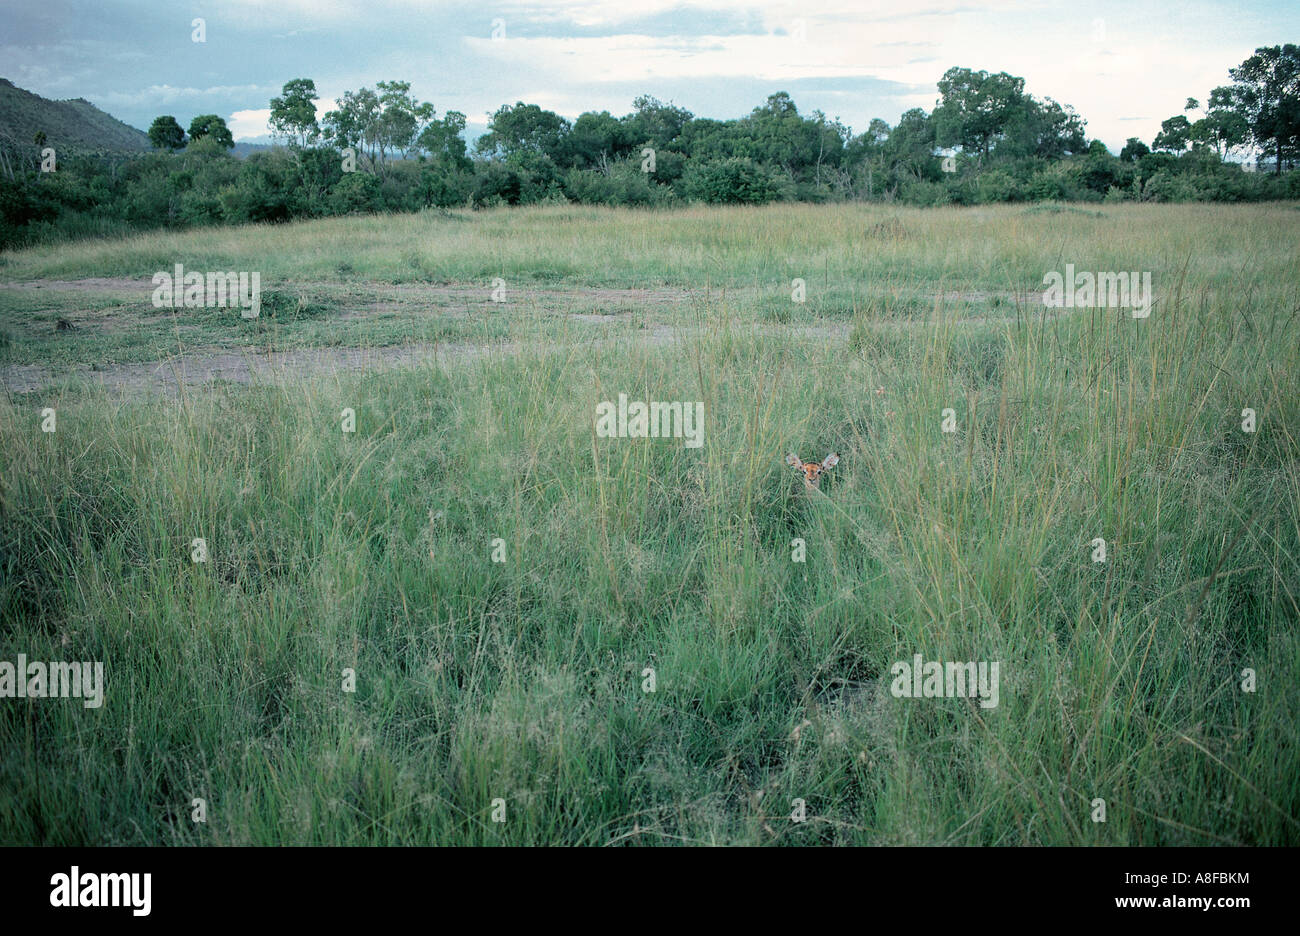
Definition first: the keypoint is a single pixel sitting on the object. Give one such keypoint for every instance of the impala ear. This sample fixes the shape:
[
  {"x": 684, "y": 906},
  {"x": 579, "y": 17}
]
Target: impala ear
[
  {"x": 830, "y": 461},
  {"x": 793, "y": 461}
]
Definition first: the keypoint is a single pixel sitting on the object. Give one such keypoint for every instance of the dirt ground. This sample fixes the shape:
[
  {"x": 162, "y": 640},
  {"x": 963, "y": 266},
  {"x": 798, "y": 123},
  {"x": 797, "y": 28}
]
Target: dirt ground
[
  {"x": 205, "y": 368},
  {"x": 210, "y": 366}
]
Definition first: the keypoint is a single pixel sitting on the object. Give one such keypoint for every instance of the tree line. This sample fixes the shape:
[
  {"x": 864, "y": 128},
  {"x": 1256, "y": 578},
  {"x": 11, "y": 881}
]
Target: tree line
[{"x": 382, "y": 149}]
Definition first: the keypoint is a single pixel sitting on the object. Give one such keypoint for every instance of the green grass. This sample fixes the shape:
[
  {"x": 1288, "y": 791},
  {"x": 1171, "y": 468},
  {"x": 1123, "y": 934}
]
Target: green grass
[
  {"x": 522, "y": 680},
  {"x": 998, "y": 247}
]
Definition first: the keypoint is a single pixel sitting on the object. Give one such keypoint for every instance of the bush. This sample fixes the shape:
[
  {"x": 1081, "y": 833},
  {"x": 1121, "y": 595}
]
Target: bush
[
  {"x": 200, "y": 206},
  {"x": 923, "y": 193},
  {"x": 495, "y": 183},
  {"x": 356, "y": 193},
  {"x": 401, "y": 187},
  {"x": 738, "y": 180},
  {"x": 319, "y": 170},
  {"x": 1100, "y": 172},
  {"x": 1166, "y": 186},
  {"x": 996, "y": 186},
  {"x": 624, "y": 184},
  {"x": 264, "y": 189},
  {"x": 1050, "y": 183},
  {"x": 443, "y": 186}
]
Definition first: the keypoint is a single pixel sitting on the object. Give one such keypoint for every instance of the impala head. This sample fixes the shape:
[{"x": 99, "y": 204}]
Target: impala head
[{"x": 812, "y": 471}]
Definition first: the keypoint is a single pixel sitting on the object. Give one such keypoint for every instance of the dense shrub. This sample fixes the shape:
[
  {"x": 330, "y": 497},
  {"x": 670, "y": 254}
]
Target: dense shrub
[
  {"x": 710, "y": 161},
  {"x": 443, "y": 187},
  {"x": 924, "y": 193},
  {"x": 623, "y": 184},
  {"x": 737, "y": 180},
  {"x": 996, "y": 186},
  {"x": 356, "y": 193}
]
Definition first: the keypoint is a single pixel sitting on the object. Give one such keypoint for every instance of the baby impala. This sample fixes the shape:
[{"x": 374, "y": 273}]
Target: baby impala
[{"x": 812, "y": 472}]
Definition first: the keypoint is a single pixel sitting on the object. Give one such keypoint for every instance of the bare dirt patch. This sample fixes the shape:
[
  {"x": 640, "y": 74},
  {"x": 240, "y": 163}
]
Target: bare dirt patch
[
  {"x": 202, "y": 368},
  {"x": 117, "y": 285},
  {"x": 599, "y": 319},
  {"x": 206, "y": 366},
  {"x": 985, "y": 296},
  {"x": 190, "y": 370},
  {"x": 473, "y": 291}
]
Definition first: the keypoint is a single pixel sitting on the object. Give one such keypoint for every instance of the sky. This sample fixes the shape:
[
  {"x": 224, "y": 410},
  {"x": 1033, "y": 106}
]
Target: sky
[{"x": 1123, "y": 66}]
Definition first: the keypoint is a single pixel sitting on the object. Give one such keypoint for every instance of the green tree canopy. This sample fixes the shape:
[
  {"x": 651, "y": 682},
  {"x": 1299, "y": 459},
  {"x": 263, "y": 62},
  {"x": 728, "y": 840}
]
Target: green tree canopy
[
  {"x": 598, "y": 139},
  {"x": 975, "y": 108},
  {"x": 519, "y": 129},
  {"x": 657, "y": 124},
  {"x": 210, "y": 125},
  {"x": 1266, "y": 94},
  {"x": 166, "y": 134},
  {"x": 293, "y": 114},
  {"x": 442, "y": 140},
  {"x": 1134, "y": 149},
  {"x": 1174, "y": 136}
]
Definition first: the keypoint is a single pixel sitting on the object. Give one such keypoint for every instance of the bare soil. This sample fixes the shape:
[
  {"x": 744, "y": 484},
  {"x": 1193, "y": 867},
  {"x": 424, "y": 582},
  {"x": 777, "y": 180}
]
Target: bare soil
[{"x": 202, "y": 367}]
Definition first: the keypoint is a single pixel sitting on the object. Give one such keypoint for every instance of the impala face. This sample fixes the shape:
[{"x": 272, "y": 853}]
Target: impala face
[{"x": 812, "y": 471}]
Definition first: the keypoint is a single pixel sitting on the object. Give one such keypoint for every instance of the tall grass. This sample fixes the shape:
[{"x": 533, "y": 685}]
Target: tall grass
[
  {"x": 524, "y": 680},
  {"x": 1007, "y": 246}
]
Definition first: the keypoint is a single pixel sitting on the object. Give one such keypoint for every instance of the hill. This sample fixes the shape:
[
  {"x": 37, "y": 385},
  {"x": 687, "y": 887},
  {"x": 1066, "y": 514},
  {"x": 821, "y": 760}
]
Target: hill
[
  {"x": 69, "y": 125},
  {"x": 243, "y": 149}
]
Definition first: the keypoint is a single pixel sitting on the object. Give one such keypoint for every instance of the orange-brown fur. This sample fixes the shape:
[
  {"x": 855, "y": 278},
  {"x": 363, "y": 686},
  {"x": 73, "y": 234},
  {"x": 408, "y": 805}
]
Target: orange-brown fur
[{"x": 812, "y": 471}]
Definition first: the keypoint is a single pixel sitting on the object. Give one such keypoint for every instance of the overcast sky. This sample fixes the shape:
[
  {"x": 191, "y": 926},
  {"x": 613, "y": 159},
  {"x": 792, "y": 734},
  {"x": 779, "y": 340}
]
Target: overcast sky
[{"x": 1123, "y": 65}]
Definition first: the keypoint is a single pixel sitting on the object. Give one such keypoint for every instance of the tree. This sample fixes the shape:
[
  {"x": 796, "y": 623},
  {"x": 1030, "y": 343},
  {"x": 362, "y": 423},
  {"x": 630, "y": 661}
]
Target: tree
[
  {"x": 658, "y": 124},
  {"x": 166, "y": 134},
  {"x": 832, "y": 139},
  {"x": 1044, "y": 129},
  {"x": 354, "y": 120},
  {"x": 910, "y": 147},
  {"x": 597, "y": 140},
  {"x": 293, "y": 115},
  {"x": 383, "y": 122},
  {"x": 210, "y": 125},
  {"x": 442, "y": 140},
  {"x": 1223, "y": 128},
  {"x": 864, "y": 155},
  {"x": 1266, "y": 94},
  {"x": 1174, "y": 136},
  {"x": 401, "y": 117},
  {"x": 447, "y": 179},
  {"x": 1134, "y": 149},
  {"x": 975, "y": 107},
  {"x": 524, "y": 129},
  {"x": 707, "y": 140},
  {"x": 799, "y": 145}
]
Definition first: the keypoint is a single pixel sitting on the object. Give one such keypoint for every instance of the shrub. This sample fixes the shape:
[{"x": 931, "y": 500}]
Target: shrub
[
  {"x": 624, "y": 184},
  {"x": 443, "y": 186},
  {"x": 738, "y": 180},
  {"x": 356, "y": 193},
  {"x": 923, "y": 192},
  {"x": 1166, "y": 186},
  {"x": 996, "y": 186}
]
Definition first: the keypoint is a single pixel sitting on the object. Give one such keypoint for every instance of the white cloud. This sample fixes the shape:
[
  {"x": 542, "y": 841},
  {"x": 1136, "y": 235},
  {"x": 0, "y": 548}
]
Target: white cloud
[
  {"x": 167, "y": 94},
  {"x": 1128, "y": 67},
  {"x": 246, "y": 124},
  {"x": 863, "y": 58}
]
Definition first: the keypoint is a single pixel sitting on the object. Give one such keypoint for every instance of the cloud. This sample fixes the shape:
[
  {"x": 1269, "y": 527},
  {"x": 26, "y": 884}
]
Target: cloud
[
  {"x": 861, "y": 58},
  {"x": 248, "y": 124},
  {"x": 167, "y": 95}
]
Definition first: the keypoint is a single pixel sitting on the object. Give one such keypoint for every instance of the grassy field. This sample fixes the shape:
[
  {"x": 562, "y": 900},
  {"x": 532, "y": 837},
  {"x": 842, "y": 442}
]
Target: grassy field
[{"x": 524, "y": 680}]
